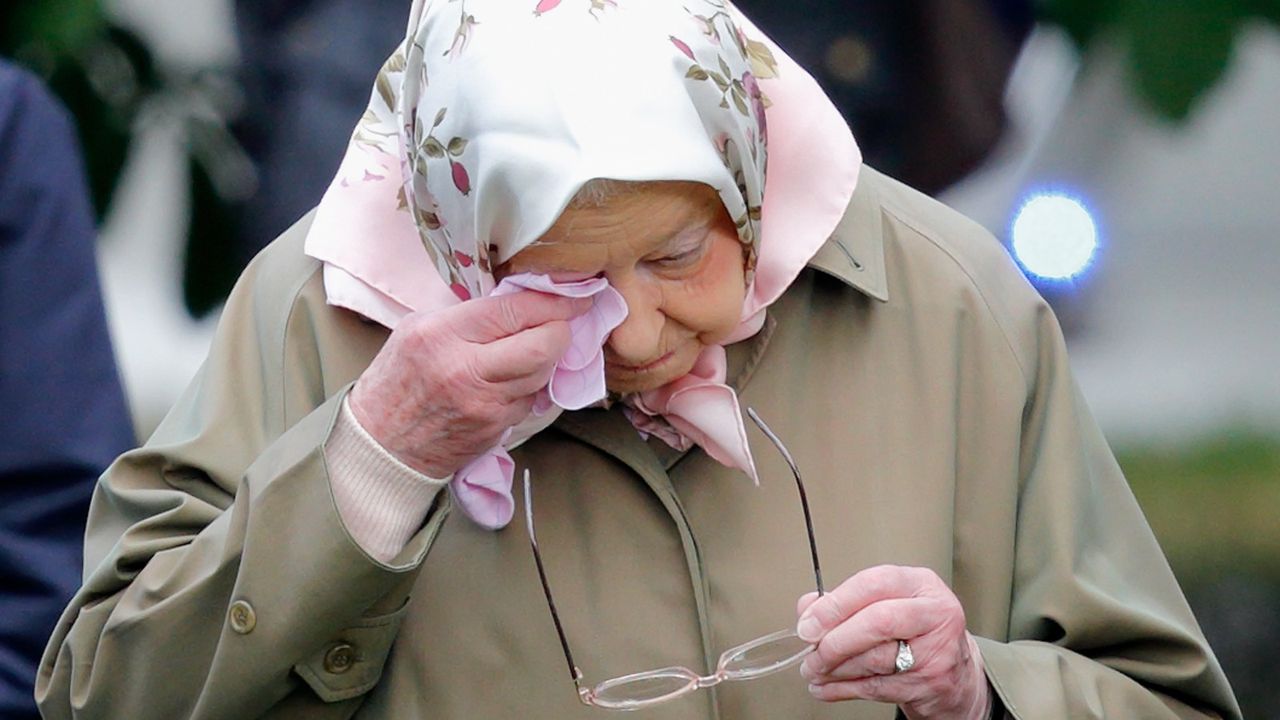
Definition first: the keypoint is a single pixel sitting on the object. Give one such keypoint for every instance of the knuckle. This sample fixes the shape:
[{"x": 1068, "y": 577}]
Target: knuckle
[
  {"x": 878, "y": 579},
  {"x": 830, "y": 612},
  {"x": 883, "y": 623},
  {"x": 829, "y": 655},
  {"x": 469, "y": 373},
  {"x": 835, "y": 648},
  {"x": 541, "y": 354},
  {"x": 923, "y": 576},
  {"x": 873, "y": 688},
  {"x": 951, "y": 607},
  {"x": 509, "y": 315},
  {"x": 559, "y": 335}
]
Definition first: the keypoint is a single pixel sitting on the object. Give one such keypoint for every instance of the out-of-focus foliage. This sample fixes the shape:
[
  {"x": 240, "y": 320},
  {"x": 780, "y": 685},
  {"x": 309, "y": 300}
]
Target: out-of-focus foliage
[
  {"x": 1177, "y": 49},
  {"x": 107, "y": 78},
  {"x": 1213, "y": 504},
  {"x": 50, "y": 32},
  {"x": 100, "y": 72}
]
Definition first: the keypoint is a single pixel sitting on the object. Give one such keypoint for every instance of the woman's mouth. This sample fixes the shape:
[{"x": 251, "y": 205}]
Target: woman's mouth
[{"x": 645, "y": 367}]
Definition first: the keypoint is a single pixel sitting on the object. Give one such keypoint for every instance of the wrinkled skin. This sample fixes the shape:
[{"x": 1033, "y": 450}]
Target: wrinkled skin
[
  {"x": 857, "y": 627},
  {"x": 447, "y": 384},
  {"x": 672, "y": 251}
]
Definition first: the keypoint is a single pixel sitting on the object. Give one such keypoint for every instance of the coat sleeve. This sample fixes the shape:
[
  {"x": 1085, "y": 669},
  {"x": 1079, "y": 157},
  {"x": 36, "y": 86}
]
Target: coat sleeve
[
  {"x": 1098, "y": 626},
  {"x": 221, "y": 581}
]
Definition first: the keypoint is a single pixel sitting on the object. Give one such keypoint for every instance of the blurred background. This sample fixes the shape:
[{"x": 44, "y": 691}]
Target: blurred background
[{"x": 1126, "y": 151}]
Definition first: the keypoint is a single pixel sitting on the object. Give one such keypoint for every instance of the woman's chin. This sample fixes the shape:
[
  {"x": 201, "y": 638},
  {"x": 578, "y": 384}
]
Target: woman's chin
[{"x": 631, "y": 386}]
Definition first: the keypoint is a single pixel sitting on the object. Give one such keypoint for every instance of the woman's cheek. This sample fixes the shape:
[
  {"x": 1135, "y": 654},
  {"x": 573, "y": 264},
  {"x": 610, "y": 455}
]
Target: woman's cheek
[{"x": 712, "y": 298}]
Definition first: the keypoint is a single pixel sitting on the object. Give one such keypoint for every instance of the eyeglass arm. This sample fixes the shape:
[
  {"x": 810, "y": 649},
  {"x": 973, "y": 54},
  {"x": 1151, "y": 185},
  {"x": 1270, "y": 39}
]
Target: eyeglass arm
[
  {"x": 804, "y": 498},
  {"x": 574, "y": 672}
]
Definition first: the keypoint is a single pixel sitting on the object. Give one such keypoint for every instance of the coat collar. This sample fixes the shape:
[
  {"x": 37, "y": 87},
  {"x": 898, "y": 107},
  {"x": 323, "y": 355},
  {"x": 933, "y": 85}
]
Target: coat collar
[{"x": 855, "y": 251}]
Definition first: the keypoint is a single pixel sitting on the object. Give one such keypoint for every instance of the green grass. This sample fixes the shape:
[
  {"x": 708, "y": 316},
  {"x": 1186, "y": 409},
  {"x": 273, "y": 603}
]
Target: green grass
[{"x": 1214, "y": 505}]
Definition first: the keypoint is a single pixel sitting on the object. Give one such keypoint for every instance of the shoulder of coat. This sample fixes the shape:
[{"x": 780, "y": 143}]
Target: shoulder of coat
[
  {"x": 282, "y": 275},
  {"x": 283, "y": 258},
  {"x": 929, "y": 248}
]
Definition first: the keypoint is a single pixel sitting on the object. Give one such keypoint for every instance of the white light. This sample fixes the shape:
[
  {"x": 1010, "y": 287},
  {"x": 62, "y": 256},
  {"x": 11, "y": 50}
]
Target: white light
[{"x": 1054, "y": 236}]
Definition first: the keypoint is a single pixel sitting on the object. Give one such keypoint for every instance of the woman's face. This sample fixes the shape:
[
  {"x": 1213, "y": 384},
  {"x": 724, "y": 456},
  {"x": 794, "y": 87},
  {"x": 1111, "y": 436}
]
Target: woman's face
[{"x": 672, "y": 251}]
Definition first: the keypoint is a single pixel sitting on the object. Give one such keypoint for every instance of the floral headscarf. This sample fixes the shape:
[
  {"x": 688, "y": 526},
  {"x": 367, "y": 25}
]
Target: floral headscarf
[{"x": 491, "y": 116}]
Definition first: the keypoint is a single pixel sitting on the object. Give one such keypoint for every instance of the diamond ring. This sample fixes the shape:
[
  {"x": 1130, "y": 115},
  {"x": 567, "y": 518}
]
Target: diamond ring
[{"x": 905, "y": 660}]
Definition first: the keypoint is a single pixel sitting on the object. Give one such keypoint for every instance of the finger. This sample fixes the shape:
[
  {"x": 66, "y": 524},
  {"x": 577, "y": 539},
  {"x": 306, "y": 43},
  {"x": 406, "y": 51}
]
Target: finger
[
  {"x": 880, "y": 622},
  {"x": 519, "y": 409},
  {"x": 487, "y": 319},
  {"x": 528, "y": 385},
  {"x": 879, "y": 660},
  {"x": 881, "y": 688},
  {"x": 534, "y": 351},
  {"x": 805, "y": 601},
  {"x": 868, "y": 586}
]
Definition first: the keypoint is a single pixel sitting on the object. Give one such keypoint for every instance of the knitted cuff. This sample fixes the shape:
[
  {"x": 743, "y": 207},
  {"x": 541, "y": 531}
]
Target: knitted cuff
[{"x": 382, "y": 501}]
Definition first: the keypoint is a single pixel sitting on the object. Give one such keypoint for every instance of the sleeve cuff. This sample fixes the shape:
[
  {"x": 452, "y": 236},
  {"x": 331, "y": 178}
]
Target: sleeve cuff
[{"x": 381, "y": 501}]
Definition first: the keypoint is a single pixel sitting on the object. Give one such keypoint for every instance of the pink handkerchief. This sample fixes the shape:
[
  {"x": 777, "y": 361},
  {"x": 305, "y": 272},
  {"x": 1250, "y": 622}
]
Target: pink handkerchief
[
  {"x": 483, "y": 487},
  {"x": 578, "y": 380}
]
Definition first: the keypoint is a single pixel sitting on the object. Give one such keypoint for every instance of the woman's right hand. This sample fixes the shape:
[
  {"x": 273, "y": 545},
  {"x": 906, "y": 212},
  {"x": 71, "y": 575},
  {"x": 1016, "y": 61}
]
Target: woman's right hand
[{"x": 447, "y": 384}]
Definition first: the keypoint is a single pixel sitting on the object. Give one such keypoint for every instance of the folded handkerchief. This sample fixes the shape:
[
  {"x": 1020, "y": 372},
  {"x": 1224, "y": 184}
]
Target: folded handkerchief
[{"x": 483, "y": 487}]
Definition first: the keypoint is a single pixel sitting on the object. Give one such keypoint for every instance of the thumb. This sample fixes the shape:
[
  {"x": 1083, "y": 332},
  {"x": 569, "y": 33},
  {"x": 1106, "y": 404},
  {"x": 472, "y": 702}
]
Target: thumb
[{"x": 804, "y": 602}]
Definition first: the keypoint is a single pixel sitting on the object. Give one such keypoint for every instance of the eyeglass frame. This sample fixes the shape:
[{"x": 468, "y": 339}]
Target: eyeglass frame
[{"x": 587, "y": 695}]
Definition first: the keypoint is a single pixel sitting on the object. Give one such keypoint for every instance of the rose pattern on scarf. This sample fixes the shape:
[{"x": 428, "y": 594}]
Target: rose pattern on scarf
[
  {"x": 744, "y": 96},
  {"x": 545, "y": 6},
  {"x": 457, "y": 145},
  {"x": 596, "y": 9},
  {"x": 683, "y": 47}
]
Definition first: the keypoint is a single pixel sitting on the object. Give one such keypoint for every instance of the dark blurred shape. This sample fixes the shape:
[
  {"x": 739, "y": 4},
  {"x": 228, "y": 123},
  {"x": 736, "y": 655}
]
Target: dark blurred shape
[
  {"x": 64, "y": 414},
  {"x": 1177, "y": 49},
  {"x": 921, "y": 83},
  {"x": 108, "y": 79},
  {"x": 100, "y": 72},
  {"x": 1237, "y": 611},
  {"x": 308, "y": 66}
]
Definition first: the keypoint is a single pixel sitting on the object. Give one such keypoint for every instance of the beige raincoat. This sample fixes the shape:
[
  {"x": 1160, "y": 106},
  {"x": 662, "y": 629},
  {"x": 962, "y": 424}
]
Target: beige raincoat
[{"x": 921, "y": 384}]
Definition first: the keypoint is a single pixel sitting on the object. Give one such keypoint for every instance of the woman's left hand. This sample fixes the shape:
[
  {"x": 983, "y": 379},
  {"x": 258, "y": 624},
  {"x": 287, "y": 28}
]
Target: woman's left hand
[{"x": 857, "y": 627}]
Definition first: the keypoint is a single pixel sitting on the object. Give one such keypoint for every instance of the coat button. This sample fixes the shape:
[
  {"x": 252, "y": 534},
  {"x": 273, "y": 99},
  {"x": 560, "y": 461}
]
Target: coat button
[
  {"x": 242, "y": 617},
  {"x": 339, "y": 658}
]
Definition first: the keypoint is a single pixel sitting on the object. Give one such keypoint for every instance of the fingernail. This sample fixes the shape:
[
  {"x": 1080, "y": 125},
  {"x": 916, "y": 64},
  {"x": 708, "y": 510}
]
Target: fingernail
[
  {"x": 809, "y": 629},
  {"x": 814, "y": 690}
]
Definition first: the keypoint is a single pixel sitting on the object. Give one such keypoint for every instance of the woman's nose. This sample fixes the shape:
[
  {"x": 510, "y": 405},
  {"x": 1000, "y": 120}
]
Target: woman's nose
[{"x": 637, "y": 340}]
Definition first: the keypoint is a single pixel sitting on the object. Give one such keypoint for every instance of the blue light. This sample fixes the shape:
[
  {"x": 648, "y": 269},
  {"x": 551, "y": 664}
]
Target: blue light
[{"x": 1054, "y": 236}]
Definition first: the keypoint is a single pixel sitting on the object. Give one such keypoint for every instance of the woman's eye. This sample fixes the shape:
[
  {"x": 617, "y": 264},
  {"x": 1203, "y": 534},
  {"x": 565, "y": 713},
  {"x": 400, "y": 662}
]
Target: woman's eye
[{"x": 682, "y": 258}]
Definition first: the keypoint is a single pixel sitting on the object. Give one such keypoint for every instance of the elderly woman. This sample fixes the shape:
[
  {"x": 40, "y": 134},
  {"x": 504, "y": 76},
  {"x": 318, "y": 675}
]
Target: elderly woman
[{"x": 573, "y": 241}]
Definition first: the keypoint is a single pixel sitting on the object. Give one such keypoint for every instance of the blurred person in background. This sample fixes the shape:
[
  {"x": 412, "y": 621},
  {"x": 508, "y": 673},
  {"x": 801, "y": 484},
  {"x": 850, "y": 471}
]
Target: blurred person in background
[
  {"x": 550, "y": 246},
  {"x": 305, "y": 67},
  {"x": 921, "y": 83},
  {"x": 64, "y": 414}
]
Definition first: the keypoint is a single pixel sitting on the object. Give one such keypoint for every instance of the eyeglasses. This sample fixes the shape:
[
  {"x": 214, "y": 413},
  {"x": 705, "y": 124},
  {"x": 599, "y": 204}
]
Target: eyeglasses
[{"x": 757, "y": 658}]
